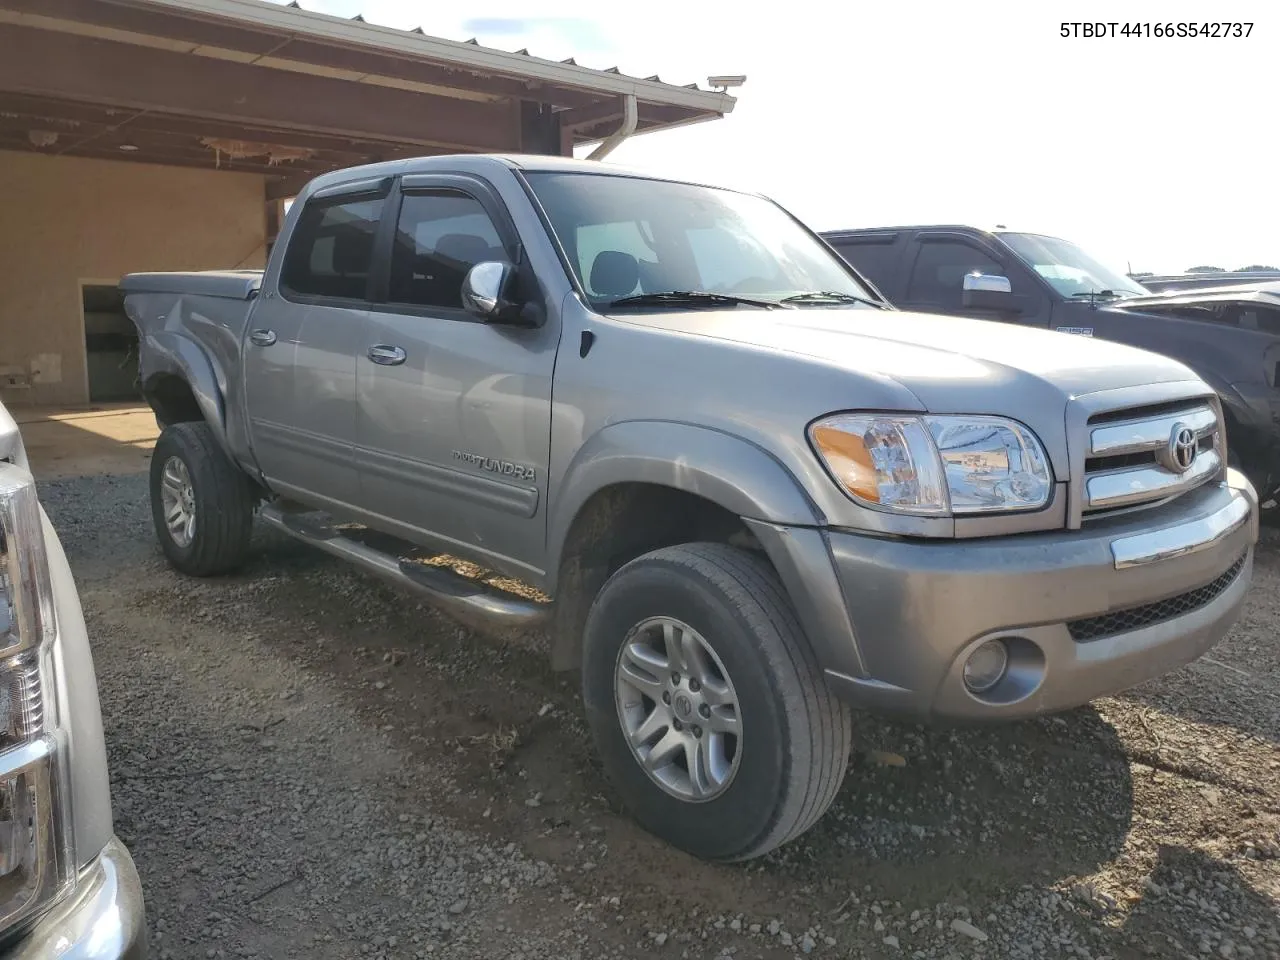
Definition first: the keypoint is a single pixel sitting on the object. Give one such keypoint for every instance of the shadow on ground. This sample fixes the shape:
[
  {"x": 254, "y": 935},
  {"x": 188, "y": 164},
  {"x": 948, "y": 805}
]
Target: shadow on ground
[{"x": 924, "y": 814}]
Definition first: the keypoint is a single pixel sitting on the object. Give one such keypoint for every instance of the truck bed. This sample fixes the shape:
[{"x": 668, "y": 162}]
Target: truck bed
[
  {"x": 229, "y": 284},
  {"x": 191, "y": 325}
]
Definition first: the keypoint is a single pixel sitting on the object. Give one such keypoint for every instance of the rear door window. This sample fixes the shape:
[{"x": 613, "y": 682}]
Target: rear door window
[
  {"x": 877, "y": 260},
  {"x": 331, "y": 251}
]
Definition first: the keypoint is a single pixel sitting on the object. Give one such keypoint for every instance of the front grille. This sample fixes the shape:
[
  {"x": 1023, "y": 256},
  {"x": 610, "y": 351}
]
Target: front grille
[
  {"x": 1122, "y": 621},
  {"x": 1143, "y": 458},
  {"x": 1129, "y": 455}
]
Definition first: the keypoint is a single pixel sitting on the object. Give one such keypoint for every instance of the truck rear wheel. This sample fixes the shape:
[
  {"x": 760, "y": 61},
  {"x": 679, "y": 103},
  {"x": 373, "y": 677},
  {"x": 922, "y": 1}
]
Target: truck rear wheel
[
  {"x": 201, "y": 504},
  {"x": 707, "y": 705}
]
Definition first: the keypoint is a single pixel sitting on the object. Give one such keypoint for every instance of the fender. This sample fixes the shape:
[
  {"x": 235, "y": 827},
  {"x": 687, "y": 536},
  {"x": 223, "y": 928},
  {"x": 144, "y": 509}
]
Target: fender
[
  {"x": 736, "y": 474},
  {"x": 1233, "y": 400},
  {"x": 747, "y": 481},
  {"x": 170, "y": 352}
]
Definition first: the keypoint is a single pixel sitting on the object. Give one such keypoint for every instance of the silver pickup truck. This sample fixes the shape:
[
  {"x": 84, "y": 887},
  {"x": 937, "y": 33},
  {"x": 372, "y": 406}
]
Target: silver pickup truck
[
  {"x": 68, "y": 887},
  {"x": 754, "y": 494}
]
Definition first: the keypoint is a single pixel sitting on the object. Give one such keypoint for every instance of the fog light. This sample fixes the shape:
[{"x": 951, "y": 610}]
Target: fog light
[{"x": 986, "y": 666}]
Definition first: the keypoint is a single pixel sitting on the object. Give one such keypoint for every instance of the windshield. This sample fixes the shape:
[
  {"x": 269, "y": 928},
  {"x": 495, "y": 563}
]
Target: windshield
[
  {"x": 1070, "y": 270},
  {"x": 629, "y": 236}
]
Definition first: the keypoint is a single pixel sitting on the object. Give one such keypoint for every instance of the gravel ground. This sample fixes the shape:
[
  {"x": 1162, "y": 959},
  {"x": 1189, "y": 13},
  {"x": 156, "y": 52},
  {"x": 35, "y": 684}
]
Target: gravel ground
[{"x": 308, "y": 764}]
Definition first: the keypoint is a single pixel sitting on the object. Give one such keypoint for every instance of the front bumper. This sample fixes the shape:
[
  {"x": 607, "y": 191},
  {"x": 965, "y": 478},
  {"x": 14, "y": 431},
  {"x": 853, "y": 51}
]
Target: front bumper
[
  {"x": 914, "y": 610},
  {"x": 103, "y": 919}
]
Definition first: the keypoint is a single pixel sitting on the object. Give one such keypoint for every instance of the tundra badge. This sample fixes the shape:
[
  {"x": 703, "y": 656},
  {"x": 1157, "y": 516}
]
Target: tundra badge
[{"x": 504, "y": 467}]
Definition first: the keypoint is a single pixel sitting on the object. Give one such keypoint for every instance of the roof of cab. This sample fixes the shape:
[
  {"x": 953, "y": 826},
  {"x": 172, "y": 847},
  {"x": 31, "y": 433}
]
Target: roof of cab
[
  {"x": 479, "y": 163},
  {"x": 941, "y": 227}
]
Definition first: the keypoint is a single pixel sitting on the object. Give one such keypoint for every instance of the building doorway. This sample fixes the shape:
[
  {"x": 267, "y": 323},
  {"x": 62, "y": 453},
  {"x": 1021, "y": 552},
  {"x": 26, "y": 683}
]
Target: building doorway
[{"x": 111, "y": 346}]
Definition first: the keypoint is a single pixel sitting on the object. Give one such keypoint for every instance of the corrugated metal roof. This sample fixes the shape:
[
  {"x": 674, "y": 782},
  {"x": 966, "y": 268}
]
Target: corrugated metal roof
[
  {"x": 258, "y": 72},
  {"x": 523, "y": 52}
]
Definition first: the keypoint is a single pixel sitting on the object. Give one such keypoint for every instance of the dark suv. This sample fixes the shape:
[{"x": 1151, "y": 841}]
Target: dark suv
[{"x": 1230, "y": 336}]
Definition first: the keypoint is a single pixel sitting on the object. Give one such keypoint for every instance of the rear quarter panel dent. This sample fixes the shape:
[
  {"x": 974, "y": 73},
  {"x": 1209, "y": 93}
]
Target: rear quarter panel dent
[
  {"x": 198, "y": 339},
  {"x": 176, "y": 354}
]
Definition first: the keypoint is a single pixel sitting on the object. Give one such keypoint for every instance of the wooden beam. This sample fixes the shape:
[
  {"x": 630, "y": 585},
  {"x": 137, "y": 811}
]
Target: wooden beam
[
  {"x": 101, "y": 136},
  {"x": 81, "y": 68},
  {"x": 601, "y": 130},
  {"x": 168, "y": 158},
  {"x": 159, "y": 146},
  {"x": 590, "y": 116},
  {"x": 151, "y": 21},
  {"x": 67, "y": 115},
  {"x": 271, "y": 210},
  {"x": 363, "y": 61},
  {"x": 539, "y": 129},
  {"x": 650, "y": 114},
  {"x": 185, "y": 126},
  {"x": 285, "y": 187},
  {"x": 202, "y": 31}
]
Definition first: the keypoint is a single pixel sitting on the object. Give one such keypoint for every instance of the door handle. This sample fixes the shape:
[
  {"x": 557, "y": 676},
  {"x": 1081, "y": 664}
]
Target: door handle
[
  {"x": 385, "y": 355},
  {"x": 263, "y": 338}
]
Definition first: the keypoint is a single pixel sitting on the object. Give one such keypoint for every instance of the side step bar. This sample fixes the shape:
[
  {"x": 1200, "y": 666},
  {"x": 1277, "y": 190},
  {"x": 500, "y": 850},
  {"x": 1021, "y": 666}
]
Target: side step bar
[{"x": 451, "y": 592}]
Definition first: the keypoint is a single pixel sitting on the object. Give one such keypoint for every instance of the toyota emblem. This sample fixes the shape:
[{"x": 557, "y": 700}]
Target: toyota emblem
[{"x": 1183, "y": 447}]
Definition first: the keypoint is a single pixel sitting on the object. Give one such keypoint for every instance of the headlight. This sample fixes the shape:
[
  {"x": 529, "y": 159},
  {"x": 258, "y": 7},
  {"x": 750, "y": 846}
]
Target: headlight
[
  {"x": 934, "y": 466},
  {"x": 35, "y": 846}
]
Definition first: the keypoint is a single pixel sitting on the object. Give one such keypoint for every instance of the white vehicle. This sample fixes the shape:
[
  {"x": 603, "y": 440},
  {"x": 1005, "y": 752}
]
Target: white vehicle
[{"x": 68, "y": 887}]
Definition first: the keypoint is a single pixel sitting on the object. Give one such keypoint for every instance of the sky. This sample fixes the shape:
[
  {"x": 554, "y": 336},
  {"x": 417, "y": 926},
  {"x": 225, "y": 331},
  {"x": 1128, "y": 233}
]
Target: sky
[{"x": 1154, "y": 154}]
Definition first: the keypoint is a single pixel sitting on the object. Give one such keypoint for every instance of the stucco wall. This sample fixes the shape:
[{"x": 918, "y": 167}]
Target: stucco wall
[{"x": 67, "y": 220}]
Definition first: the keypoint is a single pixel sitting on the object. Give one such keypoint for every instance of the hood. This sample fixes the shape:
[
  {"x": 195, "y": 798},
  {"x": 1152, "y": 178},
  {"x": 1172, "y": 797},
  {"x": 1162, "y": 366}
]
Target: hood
[
  {"x": 1264, "y": 293},
  {"x": 951, "y": 364}
]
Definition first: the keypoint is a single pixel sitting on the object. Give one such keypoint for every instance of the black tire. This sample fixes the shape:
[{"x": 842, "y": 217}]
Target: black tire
[
  {"x": 795, "y": 733},
  {"x": 223, "y": 502}
]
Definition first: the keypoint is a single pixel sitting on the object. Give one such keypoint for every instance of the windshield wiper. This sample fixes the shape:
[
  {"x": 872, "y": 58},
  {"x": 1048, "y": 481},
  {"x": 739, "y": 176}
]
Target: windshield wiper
[
  {"x": 1095, "y": 294},
  {"x": 691, "y": 298},
  {"x": 831, "y": 296}
]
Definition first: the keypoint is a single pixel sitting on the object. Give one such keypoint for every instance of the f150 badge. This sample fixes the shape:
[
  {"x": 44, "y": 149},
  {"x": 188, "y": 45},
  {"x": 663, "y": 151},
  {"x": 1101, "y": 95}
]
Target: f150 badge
[
  {"x": 504, "y": 467},
  {"x": 1079, "y": 331}
]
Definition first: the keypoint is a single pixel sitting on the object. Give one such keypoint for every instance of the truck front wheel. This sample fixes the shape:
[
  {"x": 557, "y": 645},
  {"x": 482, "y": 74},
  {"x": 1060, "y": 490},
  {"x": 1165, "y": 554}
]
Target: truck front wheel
[
  {"x": 707, "y": 705},
  {"x": 201, "y": 503}
]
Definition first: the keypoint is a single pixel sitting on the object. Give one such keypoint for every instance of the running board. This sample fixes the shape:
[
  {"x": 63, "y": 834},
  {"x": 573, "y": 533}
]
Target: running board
[{"x": 451, "y": 592}]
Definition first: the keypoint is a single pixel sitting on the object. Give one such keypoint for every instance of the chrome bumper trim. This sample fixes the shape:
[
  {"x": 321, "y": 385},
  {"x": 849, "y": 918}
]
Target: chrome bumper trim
[
  {"x": 1137, "y": 436},
  {"x": 1183, "y": 539},
  {"x": 1125, "y": 486},
  {"x": 102, "y": 920}
]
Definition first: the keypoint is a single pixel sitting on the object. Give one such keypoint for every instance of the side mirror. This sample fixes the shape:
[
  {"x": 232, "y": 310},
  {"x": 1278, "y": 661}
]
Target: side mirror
[
  {"x": 486, "y": 291},
  {"x": 986, "y": 291}
]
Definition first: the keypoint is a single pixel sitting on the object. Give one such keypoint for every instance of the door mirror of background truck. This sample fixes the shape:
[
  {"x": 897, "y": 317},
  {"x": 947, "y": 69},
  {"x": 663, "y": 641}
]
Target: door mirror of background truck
[{"x": 985, "y": 291}]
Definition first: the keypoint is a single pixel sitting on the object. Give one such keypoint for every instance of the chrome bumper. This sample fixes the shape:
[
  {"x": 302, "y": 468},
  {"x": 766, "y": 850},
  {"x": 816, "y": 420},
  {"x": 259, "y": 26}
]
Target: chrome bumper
[
  {"x": 1181, "y": 539},
  {"x": 103, "y": 919}
]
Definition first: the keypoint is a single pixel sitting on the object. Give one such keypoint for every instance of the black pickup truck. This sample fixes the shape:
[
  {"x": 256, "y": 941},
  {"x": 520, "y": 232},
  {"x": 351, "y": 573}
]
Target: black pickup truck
[{"x": 1230, "y": 336}]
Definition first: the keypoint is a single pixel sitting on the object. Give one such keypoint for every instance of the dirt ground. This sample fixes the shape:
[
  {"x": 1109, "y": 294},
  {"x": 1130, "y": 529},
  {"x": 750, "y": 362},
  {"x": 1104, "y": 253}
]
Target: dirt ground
[
  {"x": 106, "y": 439},
  {"x": 308, "y": 764}
]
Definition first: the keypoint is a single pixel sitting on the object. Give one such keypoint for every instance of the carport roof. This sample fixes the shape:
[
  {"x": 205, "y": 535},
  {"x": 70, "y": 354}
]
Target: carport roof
[{"x": 254, "y": 86}]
